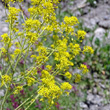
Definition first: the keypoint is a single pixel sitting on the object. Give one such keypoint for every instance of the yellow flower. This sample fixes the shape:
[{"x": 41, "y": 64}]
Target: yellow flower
[
  {"x": 3, "y": 50},
  {"x": 5, "y": 79},
  {"x": 17, "y": 51},
  {"x": 71, "y": 20},
  {"x": 5, "y": 37},
  {"x": 81, "y": 34},
  {"x": 50, "y": 92},
  {"x": 31, "y": 36},
  {"x": 68, "y": 75},
  {"x": 32, "y": 24},
  {"x": 33, "y": 56},
  {"x": 18, "y": 89},
  {"x": 49, "y": 67},
  {"x": 88, "y": 49},
  {"x": 66, "y": 86},
  {"x": 35, "y": 2},
  {"x": 17, "y": 44},
  {"x": 77, "y": 77},
  {"x": 30, "y": 81},
  {"x": 13, "y": 13},
  {"x": 83, "y": 68},
  {"x": 13, "y": 56}
]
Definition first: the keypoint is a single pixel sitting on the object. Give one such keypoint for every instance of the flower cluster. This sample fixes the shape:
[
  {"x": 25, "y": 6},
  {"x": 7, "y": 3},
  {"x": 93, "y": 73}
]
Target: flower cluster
[
  {"x": 13, "y": 13},
  {"x": 81, "y": 34},
  {"x": 88, "y": 49},
  {"x": 5, "y": 79},
  {"x": 84, "y": 68},
  {"x": 18, "y": 89},
  {"x": 62, "y": 55},
  {"x": 41, "y": 39},
  {"x": 5, "y": 38},
  {"x": 68, "y": 75},
  {"x": 77, "y": 77}
]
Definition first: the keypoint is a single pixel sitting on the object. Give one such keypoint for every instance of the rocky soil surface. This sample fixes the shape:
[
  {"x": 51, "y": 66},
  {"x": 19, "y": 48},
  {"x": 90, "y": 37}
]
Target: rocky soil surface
[{"x": 98, "y": 19}]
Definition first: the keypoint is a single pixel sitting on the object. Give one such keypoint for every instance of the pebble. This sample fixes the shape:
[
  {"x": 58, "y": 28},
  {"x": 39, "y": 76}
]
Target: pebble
[
  {"x": 1, "y": 93},
  {"x": 90, "y": 97},
  {"x": 105, "y": 24},
  {"x": 106, "y": 107},
  {"x": 83, "y": 105},
  {"x": 108, "y": 35},
  {"x": 93, "y": 107},
  {"x": 5, "y": 29},
  {"x": 101, "y": 93},
  {"x": 86, "y": 10},
  {"x": 94, "y": 90},
  {"x": 77, "y": 13},
  {"x": 99, "y": 33},
  {"x": 102, "y": 86},
  {"x": 97, "y": 100}
]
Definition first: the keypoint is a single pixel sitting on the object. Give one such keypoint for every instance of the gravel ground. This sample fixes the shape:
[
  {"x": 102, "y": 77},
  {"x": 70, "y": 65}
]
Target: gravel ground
[{"x": 92, "y": 16}]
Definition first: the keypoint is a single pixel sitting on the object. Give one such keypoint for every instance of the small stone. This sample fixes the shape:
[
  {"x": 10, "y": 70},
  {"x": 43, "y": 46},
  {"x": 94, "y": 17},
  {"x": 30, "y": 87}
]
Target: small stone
[
  {"x": 1, "y": 92},
  {"x": 99, "y": 33},
  {"x": 83, "y": 105},
  {"x": 86, "y": 10},
  {"x": 76, "y": 71},
  {"x": 94, "y": 107},
  {"x": 92, "y": 21},
  {"x": 107, "y": 107},
  {"x": 89, "y": 23},
  {"x": 102, "y": 85},
  {"x": 90, "y": 97},
  {"x": 5, "y": 29},
  {"x": 97, "y": 100},
  {"x": 106, "y": 17},
  {"x": 105, "y": 24},
  {"x": 108, "y": 35},
  {"x": 101, "y": 93},
  {"x": 94, "y": 90},
  {"x": 77, "y": 13}
]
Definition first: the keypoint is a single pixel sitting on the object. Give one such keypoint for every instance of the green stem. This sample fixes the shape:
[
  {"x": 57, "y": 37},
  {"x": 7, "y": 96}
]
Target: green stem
[
  {"x": 4, "y": 99},
  {"x": 20, "y": 54},
  {"x": 23, "y": 103},
  {"x": 17, "y": 61},
  {"x": 32, "y": 101},
  {"x": 26, "y": 57}
]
